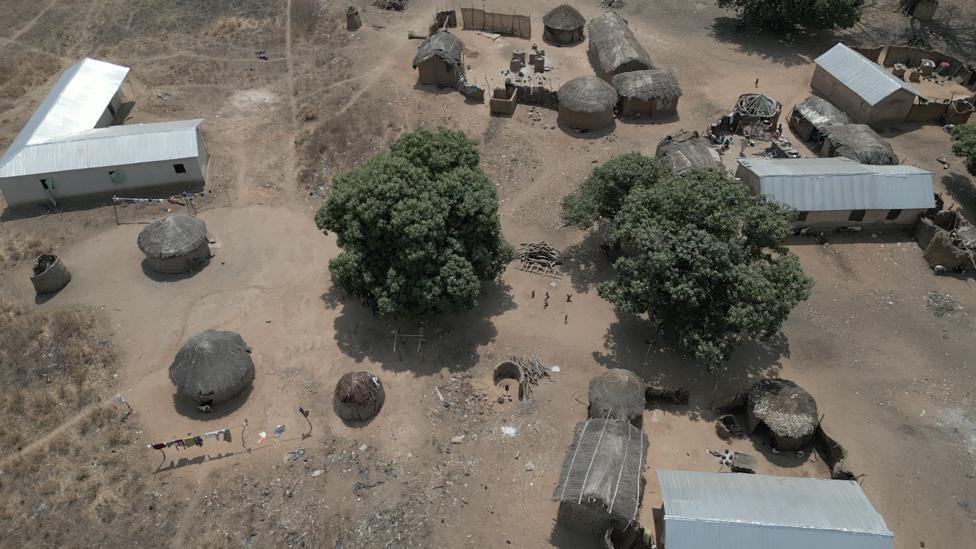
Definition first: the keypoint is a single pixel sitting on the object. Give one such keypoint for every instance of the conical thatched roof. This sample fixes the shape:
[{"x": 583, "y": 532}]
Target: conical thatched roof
[
  {"x": 647, "y": 85},
  {"x": 358, "y": 396},
  {"x": 564, "y": 18},
  {"x": 613, "y": 46},
  {"x": 758, "y": 106},
  {"x": 860, "y": 143},
  {"x": 172, "y": 236},
  {"x": 617, "y": 394},
  {"x": 587, "y": 94},
  {"x": 441, "y": 44},
  {"x": 212, "y": 366}
]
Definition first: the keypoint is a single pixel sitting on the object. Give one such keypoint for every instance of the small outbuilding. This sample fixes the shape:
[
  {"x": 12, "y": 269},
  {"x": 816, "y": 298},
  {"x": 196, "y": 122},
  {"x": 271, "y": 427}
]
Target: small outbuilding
[
  {"x": 358, "y": 396},
  {"x": 613, "y": 47},
  {"x": 744, "y": 511},
  {"x": 786, "y": 409},
  {"x": 49, "y": 274},
  {"x": 811, "y": 116},
  {"x": 755, "y": 114},
  {"x": 859, "y": 143},
  {"x": 617, "y": 394},
  {"x": 212, "y": 367},
  {"x": 647, "y": 93},
  {"x": 563, "y": 26},
  {"x": 601, "y": 483},
  {"x": 440, "y": 60},
  {"x": 587, "y": 103},
  {"x": 687, "y": 151},
  {"x": 863, "y": 89},
  {"x": 175, "y": 244}
]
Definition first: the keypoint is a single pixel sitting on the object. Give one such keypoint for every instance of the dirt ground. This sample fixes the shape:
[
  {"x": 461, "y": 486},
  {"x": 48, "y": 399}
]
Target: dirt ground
[{"x": 884, "y": 346}]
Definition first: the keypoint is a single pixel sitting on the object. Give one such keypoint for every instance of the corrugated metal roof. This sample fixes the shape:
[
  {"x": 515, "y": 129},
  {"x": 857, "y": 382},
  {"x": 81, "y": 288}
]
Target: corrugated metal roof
[
  {"x": 840, "y": 184},
  {"x": 111, "y": 146},
  {"x": 733, "y": 510},
  {"x": 863, "y": 76}
]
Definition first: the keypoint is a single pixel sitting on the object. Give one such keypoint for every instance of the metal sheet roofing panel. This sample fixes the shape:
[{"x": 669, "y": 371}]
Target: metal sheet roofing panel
[
  {"x": 734, "y": 510},
  {"x": 111, "y": 146},
  {"x": 864, "y": 77},
  {"x": 840, "y": 184}
]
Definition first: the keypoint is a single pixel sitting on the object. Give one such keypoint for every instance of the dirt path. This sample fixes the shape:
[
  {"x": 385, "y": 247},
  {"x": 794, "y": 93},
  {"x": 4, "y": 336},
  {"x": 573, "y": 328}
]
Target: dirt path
[
  {"x": 290, "y": 162},
  {"x": 20, "y": 32}
]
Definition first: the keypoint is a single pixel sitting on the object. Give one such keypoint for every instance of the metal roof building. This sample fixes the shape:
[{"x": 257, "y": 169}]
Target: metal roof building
[
  {"x": 69, "y": 147},
  {"x": 863, "y": 89},
  {"x": 744, "y": 511}
]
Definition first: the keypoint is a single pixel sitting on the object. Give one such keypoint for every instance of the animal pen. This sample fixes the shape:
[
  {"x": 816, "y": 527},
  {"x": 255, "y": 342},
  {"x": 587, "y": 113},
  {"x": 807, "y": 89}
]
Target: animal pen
[
  {"x": 510, "y": 24},
  {"x": 601, "y": 483}
]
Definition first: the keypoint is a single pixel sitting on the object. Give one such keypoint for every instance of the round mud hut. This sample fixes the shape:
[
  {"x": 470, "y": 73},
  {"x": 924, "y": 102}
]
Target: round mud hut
[
  {"x": 586, "y": 103},
  {"x": 440, "y": 60},
  {"x": 49, "y": 274},
  {"x": 617, "y": 394},
  {"x": 563, "y": 26},
  {"x": 786, "y": 409},
  {"x": 175, "y": 244},
  {"x": 358, "y": 396},
  {"x": 212, "y": 367},
  {"x": 650, "y": 92}
]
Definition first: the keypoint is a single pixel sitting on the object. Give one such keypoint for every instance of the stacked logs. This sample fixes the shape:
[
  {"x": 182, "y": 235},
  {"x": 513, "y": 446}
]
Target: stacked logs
[{"x": 540, "y": 254}]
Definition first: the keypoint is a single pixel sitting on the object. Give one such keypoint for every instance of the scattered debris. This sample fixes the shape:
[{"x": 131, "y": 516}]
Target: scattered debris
[
  {"x": 294, "y": 455},
  {"x": 509, "y": 431},
  {"x": 393, "y": 5},
  {"x": 612, "y": 4},
  {"x": 262, "y": 55},
  {"x": 941, "y": 304},
  {"x": 317, "y": 473},
  {"x": 529, "y": 467},
  {"x": 457, "y": 439}
]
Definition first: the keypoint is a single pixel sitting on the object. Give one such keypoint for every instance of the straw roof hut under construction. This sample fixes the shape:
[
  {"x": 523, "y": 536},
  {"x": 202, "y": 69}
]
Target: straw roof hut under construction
[
  {"x": 212, "y": 367},
  {"x": 859, "y": 143},
  {"x": 358, "y": 396},
  {"x": 755, "y": 113},
  {"x": 563, "y": 26},
  {"x": 174, "y": 244},
  {"x": 786, "y": 409},
  {"x": 439, "y": 60},
  {"x": 686, "y": 151},
  {"x": 810, "y": 116},
  {"x": 647, "y": 93},
  {"x": 601, "y": 483},
  {"x": 613, "y": 47},
  {"x": 587, "y": 103},
  {"x": 617, "y": 394}
]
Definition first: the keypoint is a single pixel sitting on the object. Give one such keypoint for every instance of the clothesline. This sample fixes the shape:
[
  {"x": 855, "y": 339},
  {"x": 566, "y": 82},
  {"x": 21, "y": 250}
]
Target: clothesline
[
  {"x": 169, "y": 199},
  {"x": 187, "y": 442}
]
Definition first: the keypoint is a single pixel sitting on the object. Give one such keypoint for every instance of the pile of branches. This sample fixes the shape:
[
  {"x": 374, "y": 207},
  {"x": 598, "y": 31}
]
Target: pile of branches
[
  {"x": 612, "y": 4},
  {"x": 395, "y": 5},
  {"x": 532, "y": 371},
  {"x": 539, "y": 253}
]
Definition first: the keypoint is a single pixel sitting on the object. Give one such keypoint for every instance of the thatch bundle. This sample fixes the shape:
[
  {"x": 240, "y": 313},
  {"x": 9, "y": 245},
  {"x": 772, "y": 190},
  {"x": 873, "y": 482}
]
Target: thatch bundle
[
  {"x": 786, "y": 409},
  {"x": 859, "y": 143},
  {"x": 617, "y": 394},
  {"x": 358, "y": 396},
  {"x": 613, "y": 47},
  {"x": 564, "y": 18},
  {"x": 173, "y": 243},
  {"x": 647, "y": 85},
  {"x": 587, "y": 94},
  {"x": 49, "y": 274},
  {"x": 212, "y": 367},
  {"x": 441, "y": 44},
  {"x": 602, "y": 478}
]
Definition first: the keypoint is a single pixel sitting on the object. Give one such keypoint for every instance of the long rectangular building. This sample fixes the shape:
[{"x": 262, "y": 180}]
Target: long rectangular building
[{"x": 839, "y": 192}]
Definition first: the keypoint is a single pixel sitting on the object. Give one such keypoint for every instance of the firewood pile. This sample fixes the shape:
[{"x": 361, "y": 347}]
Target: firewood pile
[
  {"x": 394, "y": 5},
  {"x": 539, "y": 254},
  {"x": 532, "y": 372}
]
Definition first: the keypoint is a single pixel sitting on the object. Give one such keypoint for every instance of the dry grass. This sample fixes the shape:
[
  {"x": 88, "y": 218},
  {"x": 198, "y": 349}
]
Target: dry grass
[
  {"x": 305, "y": 15},
  {"x": 20, "y": 247},
  {"x": 226, "y": 25}
]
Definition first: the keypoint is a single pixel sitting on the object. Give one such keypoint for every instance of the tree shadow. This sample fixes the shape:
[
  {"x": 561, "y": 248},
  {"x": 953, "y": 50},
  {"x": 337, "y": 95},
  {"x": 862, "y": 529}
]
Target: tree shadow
[
  {"x": 797, "y": 49},
  {"x": 586, "y": 263},
  {"x": 963, "y": 191},
  {"x": 449, "y": 339},
  {"x": 632, "y": 343}
]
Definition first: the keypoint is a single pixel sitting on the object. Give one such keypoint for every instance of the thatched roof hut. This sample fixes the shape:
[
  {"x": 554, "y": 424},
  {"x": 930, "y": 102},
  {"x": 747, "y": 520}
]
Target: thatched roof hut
[
  {"x": 49, "y": 274},
  {"x": 687, "y": 151},
  {"x": 439, "y": 59},
  {"x": 358, "y": 396},
  {"x": 601, "y": 483},
  {"x": 613, "y": 47},
  {"x": 786, "y": 409},
  {"x": 174, "y": 244},
  {"x": 563, "y": 25},
  {"x": 757, "y": 112},
  {"x": 587, "y": 103},
  {"x": 647, "y": 92},
  {"x": 812, "y": 115},
  {"x": 859, "y": 143},
  {"x": 212, "y": 366},
  {"x": 617, "y": 394}
]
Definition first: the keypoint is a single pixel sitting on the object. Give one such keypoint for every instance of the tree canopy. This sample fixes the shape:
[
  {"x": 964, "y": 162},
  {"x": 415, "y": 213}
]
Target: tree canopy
[
  {"x": 602, "y": 193},
  {"x": 964, "y": 145},
  {"x": 790, "y": 14},
  {"x": 705, "y": 256},
  {"x": 418, "y": 226}
]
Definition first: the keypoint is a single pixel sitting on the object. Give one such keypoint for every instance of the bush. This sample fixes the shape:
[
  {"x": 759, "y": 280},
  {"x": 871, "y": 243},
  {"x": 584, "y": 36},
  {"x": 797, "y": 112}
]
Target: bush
[
  {"x": 787, "y": 15},
  {"x": 964, "y": 145}
]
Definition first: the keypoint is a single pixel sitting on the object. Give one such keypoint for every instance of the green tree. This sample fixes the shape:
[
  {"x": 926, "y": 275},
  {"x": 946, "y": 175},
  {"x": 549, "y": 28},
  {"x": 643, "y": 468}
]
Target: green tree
[
  {"x": 706, "y": 257},
  {"x": 602, "y": 194},
  {"x": 964, "y": 145},
  {"x": 418, "y": 226},
  {"x": 787, "y": 15}
]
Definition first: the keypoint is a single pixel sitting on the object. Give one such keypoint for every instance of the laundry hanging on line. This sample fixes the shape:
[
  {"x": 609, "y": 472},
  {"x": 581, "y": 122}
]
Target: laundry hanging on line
[{"x": 186, "y": 442}]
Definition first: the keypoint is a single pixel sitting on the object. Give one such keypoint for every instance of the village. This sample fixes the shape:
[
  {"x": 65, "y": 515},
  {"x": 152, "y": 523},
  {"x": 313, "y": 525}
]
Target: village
[{"x": 400, "y": 273}]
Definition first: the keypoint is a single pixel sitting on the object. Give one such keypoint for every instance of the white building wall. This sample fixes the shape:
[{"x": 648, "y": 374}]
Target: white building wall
[{"x": 701, "y": 534}]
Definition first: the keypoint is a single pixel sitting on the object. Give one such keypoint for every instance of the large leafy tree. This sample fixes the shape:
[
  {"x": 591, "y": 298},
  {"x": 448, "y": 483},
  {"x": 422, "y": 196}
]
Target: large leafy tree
[
  {"x": 964, "y": 145},
  {"x": 603, "y": 193},
  {"x": 706, "y": 257},
  {"x": 790, "y": 14},
  {"x": 418, "y": 226}
]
